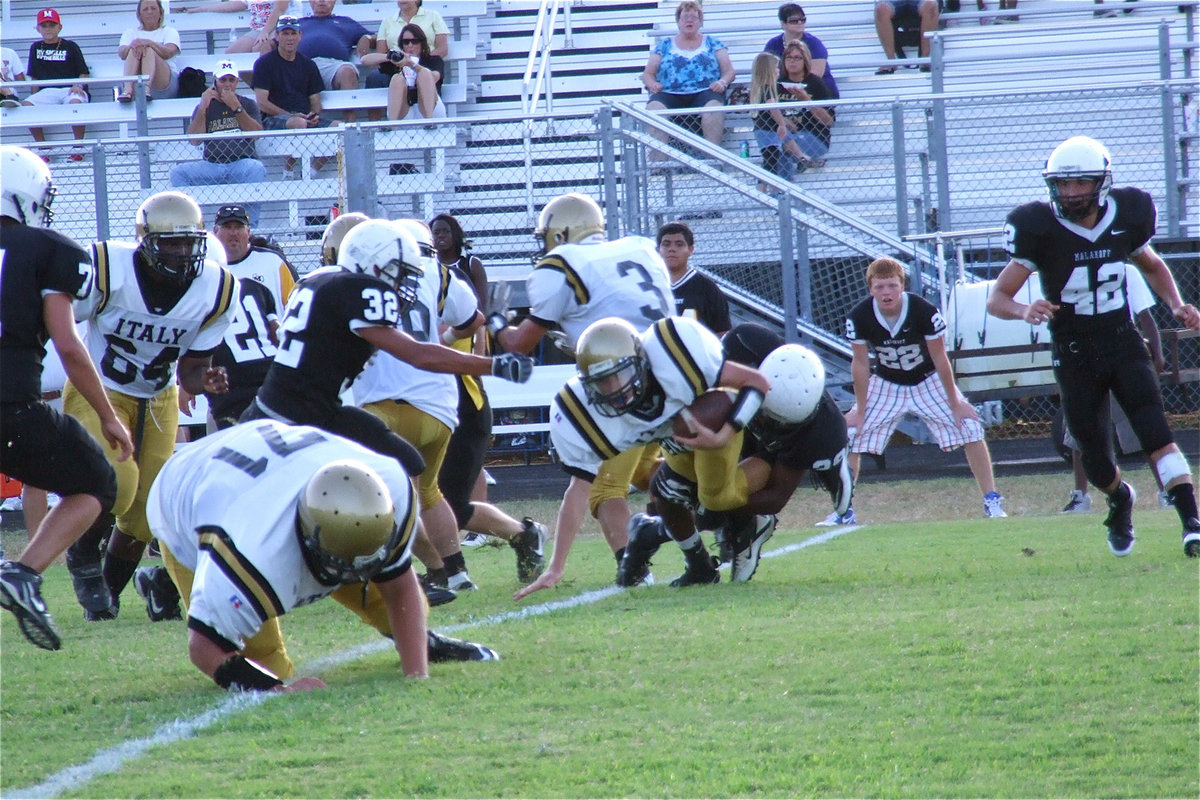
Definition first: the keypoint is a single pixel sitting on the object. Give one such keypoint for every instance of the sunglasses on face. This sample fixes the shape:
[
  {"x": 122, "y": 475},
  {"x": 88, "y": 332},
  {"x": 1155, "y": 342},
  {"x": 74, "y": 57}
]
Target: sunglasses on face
[
  {"x": 410, "y": 41},
  {"x": 796, "y": 20}
]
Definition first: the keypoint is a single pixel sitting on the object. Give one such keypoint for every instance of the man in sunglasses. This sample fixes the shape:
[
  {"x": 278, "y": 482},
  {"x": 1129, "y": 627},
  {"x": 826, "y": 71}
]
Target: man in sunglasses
[{"x": 793, "y": 20}]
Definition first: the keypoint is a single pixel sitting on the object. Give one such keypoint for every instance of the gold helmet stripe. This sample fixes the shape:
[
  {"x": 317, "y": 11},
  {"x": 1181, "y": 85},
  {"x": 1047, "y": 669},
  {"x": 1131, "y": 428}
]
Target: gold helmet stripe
[
  {"x": 669, "y": 337},
  {"x": 244, "y": 575},
  {"x": 577, "y": 414},
  {"x": 559, "y": 264}
]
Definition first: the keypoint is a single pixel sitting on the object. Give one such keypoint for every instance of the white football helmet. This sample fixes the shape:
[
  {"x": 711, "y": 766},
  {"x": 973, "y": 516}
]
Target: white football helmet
[
  {"x": 612, "y": 365},
  {"x": 26, "y": 187},
  {"x": 1078, "y": 157},
  {"x": 171, "y": 235},
  {"x": 335, "y": 231},
  {"x": 567, "y": 218},
  {"x": 379, "y": 248},
  {"x": 347, "y": 521},
  {"x": 421, "y": 232},
  {"x": 797, "y": 380}
]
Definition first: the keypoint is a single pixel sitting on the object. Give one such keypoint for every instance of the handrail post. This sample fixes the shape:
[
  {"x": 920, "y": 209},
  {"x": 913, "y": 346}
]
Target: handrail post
[
  {"x": 100, "y": 188},
  {"x": 787, "y": 264},
  {"x": 604, "y": 122},
  {"x": 358, "y": 149},
  {"x": 899, "y": 169}
]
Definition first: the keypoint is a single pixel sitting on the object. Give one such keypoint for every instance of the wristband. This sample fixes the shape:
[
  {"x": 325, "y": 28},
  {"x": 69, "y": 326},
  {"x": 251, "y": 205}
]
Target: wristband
[
  {"x": 448, "y": 337},
  {"x": 747, "y": 403},
  {"x": 497, "y": 322},
  {"x": 242, "y": 675}
]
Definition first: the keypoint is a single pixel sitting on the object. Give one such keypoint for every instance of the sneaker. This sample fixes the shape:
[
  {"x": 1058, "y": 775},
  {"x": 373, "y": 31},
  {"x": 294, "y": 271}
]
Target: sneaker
[
  {"x": 12, "y": 102},
  {"x": 1164, "y": 499},
  {"x": 20, "y": 593},
  {"x": 435, "y": 595},
  {"x": 460, "y": 582},
  {"x": 92, "y": 592},
  {"x": 696, "y": 575},
  {"x": 445, "y": 648},
  {"x": 530, "y": 545},
  {"x": 835, "y": 519},
  {"x": 1120, "y": 522},
  {"x": 748, "y": 544},
  {"x": 1191, "y": 539},
  {"x": 993, "y": 505},
  {"x": 644, "y": 540},
  {"x": 1078, "y": 503},
  {"x": 154, "y": 585},
  {"x": 473, "y": 539}
]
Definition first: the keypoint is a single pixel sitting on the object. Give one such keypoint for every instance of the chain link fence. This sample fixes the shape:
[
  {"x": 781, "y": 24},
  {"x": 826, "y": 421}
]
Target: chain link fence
[{"x": 791, "y": 253}]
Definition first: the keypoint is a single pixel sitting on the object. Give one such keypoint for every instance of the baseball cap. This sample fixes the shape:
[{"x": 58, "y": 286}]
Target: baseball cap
[
  {"x": 231, "y": 213},
  {"x": 48, "y": 15},
  {"x": 225, "y": 68},
  {"x": 287, "y": 22}
]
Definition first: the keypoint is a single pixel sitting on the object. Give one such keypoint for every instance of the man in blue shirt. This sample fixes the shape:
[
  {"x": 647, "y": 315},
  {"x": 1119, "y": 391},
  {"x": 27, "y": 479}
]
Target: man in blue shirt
[{"x": 328, "y": 40}]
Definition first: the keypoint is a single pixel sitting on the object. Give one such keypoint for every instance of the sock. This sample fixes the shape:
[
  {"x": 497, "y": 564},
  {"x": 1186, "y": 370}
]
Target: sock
[
  {"x": 620, "y": 554},
  {"x": 117, "y": 573},
  {"x": 1183, "y": 495},
  {"x": 436, "y": 576},
  {"x": 87, "y": 549},
  {"x": 455, "y": 563},
  {"x": 1120, "y": 494}
]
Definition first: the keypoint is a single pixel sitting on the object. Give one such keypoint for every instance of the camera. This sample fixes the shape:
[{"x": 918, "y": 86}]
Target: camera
[{"x": 395, "y": 56}]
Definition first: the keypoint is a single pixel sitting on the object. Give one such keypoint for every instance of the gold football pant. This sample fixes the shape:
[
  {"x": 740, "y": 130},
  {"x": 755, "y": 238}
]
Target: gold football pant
[{"x": 423, "y": 431}]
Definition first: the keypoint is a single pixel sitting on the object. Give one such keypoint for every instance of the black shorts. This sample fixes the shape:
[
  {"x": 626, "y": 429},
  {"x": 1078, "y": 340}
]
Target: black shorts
[
  {"x": 465, "y": 454},
  {"x": 52, "y": 451}
]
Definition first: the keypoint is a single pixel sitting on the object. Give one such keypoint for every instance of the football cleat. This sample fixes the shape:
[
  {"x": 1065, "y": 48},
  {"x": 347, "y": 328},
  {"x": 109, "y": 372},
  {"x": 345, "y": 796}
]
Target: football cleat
[
  {"x": 530, "y": 545},
  {"x": 444, "y": 648},
  {"x": 644, "y": 541},
  {"x": 1078, "y": 503},
  {"x": 435, "y": 595},
  {"x": 1120, "y": 521},
  {"x": 697, "y": 574},
  {"x": 1191, "y": 538},
  {"x": 20, "y": 593},
  {"x": 92, "y": 592},
  {"x": 154, "y": 585},
  {"x": 993, "y": 505},
  {"x": 834, "y": 519},
  {"x": 473, "y": 539},
  {"x": 460, "y": 582},
  {"x": 748, "y": 538}
]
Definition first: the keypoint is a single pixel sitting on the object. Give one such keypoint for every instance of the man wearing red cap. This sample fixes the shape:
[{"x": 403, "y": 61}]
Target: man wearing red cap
[{"x": 52, "y": 58}]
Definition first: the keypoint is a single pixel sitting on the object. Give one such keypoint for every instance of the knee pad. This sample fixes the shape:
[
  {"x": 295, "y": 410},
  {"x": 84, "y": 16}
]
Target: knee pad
[
  {"x": 674, "y": 488},
  {"x": 1172, "y": 467}
]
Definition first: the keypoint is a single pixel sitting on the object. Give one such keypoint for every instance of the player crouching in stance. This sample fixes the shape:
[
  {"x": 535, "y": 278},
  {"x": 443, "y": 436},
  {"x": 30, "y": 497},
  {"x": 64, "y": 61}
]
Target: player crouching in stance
[
  {"x": 263, "y": 517},
  {"x": 627, "y": 393},
  {"x": 43, "y": 273},
  {"x": 911, "y": 375},
  {"x": 1079, "y": 243}
]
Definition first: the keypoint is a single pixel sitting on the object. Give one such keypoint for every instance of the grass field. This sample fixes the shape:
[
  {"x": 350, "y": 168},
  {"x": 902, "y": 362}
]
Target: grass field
[{"x": 916, "y": 656}]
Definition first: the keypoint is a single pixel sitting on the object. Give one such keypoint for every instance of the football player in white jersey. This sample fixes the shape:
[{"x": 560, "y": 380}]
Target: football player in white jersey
[
  {"x": 422, "y": 407},
  {"x": 582, "y": 278},
  {"x": 157, "y": 308},
  {"x": 628, "y": 391},
  {"x": 264, "y": 517}
]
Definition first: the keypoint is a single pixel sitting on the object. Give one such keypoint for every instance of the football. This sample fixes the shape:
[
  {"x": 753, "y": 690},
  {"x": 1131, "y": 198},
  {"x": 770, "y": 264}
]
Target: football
[{"x": 710, "y": 409}]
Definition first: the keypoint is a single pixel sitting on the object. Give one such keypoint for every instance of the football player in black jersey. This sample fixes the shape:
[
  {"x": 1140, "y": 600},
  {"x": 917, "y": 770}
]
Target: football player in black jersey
[
  {"x": 41, "y": 274},
  {"x": 696, "y": 295},
  {"x": 1079, "y": 243},
  {"x": 911, "y": 375}
]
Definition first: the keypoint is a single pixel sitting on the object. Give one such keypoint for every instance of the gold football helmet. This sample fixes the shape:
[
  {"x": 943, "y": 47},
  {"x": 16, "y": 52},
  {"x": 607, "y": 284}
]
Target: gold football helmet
[
  {"x": 612, "y": 365},
  {"x": 567, "y": 218},
  {"x": 335, "y": 231},
  {"x": 348, "y": 522},
  {"x": 171, "y": 236}
]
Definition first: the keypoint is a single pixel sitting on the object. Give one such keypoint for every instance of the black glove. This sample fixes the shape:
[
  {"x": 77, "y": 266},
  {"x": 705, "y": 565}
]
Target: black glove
[{"x": 512, "y": 367}]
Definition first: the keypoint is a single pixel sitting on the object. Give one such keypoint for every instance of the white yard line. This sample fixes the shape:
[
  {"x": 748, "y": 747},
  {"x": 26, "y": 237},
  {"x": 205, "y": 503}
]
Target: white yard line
[{"x": 109, "y": 760}]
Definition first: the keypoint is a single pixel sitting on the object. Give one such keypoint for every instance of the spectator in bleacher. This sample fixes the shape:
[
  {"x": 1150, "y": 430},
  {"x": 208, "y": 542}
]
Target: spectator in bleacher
[
  {"x": 150, "y": 49},
  {"x": 220, "y": 110},
  {"x": 793, "y": 20},
  {"x": 51, "y": 58},
  {"x": 263, "y": 17},
  {"x": 696, "y": 295},
  {"x": 689, "y": 70},
  {"x": 11, "y": 69},
  {"x": 418, "y": 79},
  {"x": 287, "y": 84},
  {"x": 907, "y": 14},
  {"x": 791, "y": 140},
  {"x": 329, "y": 40},
  {"x": 411, "y": 13}
]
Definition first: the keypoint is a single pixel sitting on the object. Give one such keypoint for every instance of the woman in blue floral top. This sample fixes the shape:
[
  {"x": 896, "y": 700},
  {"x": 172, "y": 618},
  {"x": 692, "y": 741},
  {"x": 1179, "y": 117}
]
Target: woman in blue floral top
[{"x": 690, "y": 70}]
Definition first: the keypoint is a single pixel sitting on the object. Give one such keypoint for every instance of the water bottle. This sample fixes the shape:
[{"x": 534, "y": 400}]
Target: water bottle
[{"x": 745, "y": 152}]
